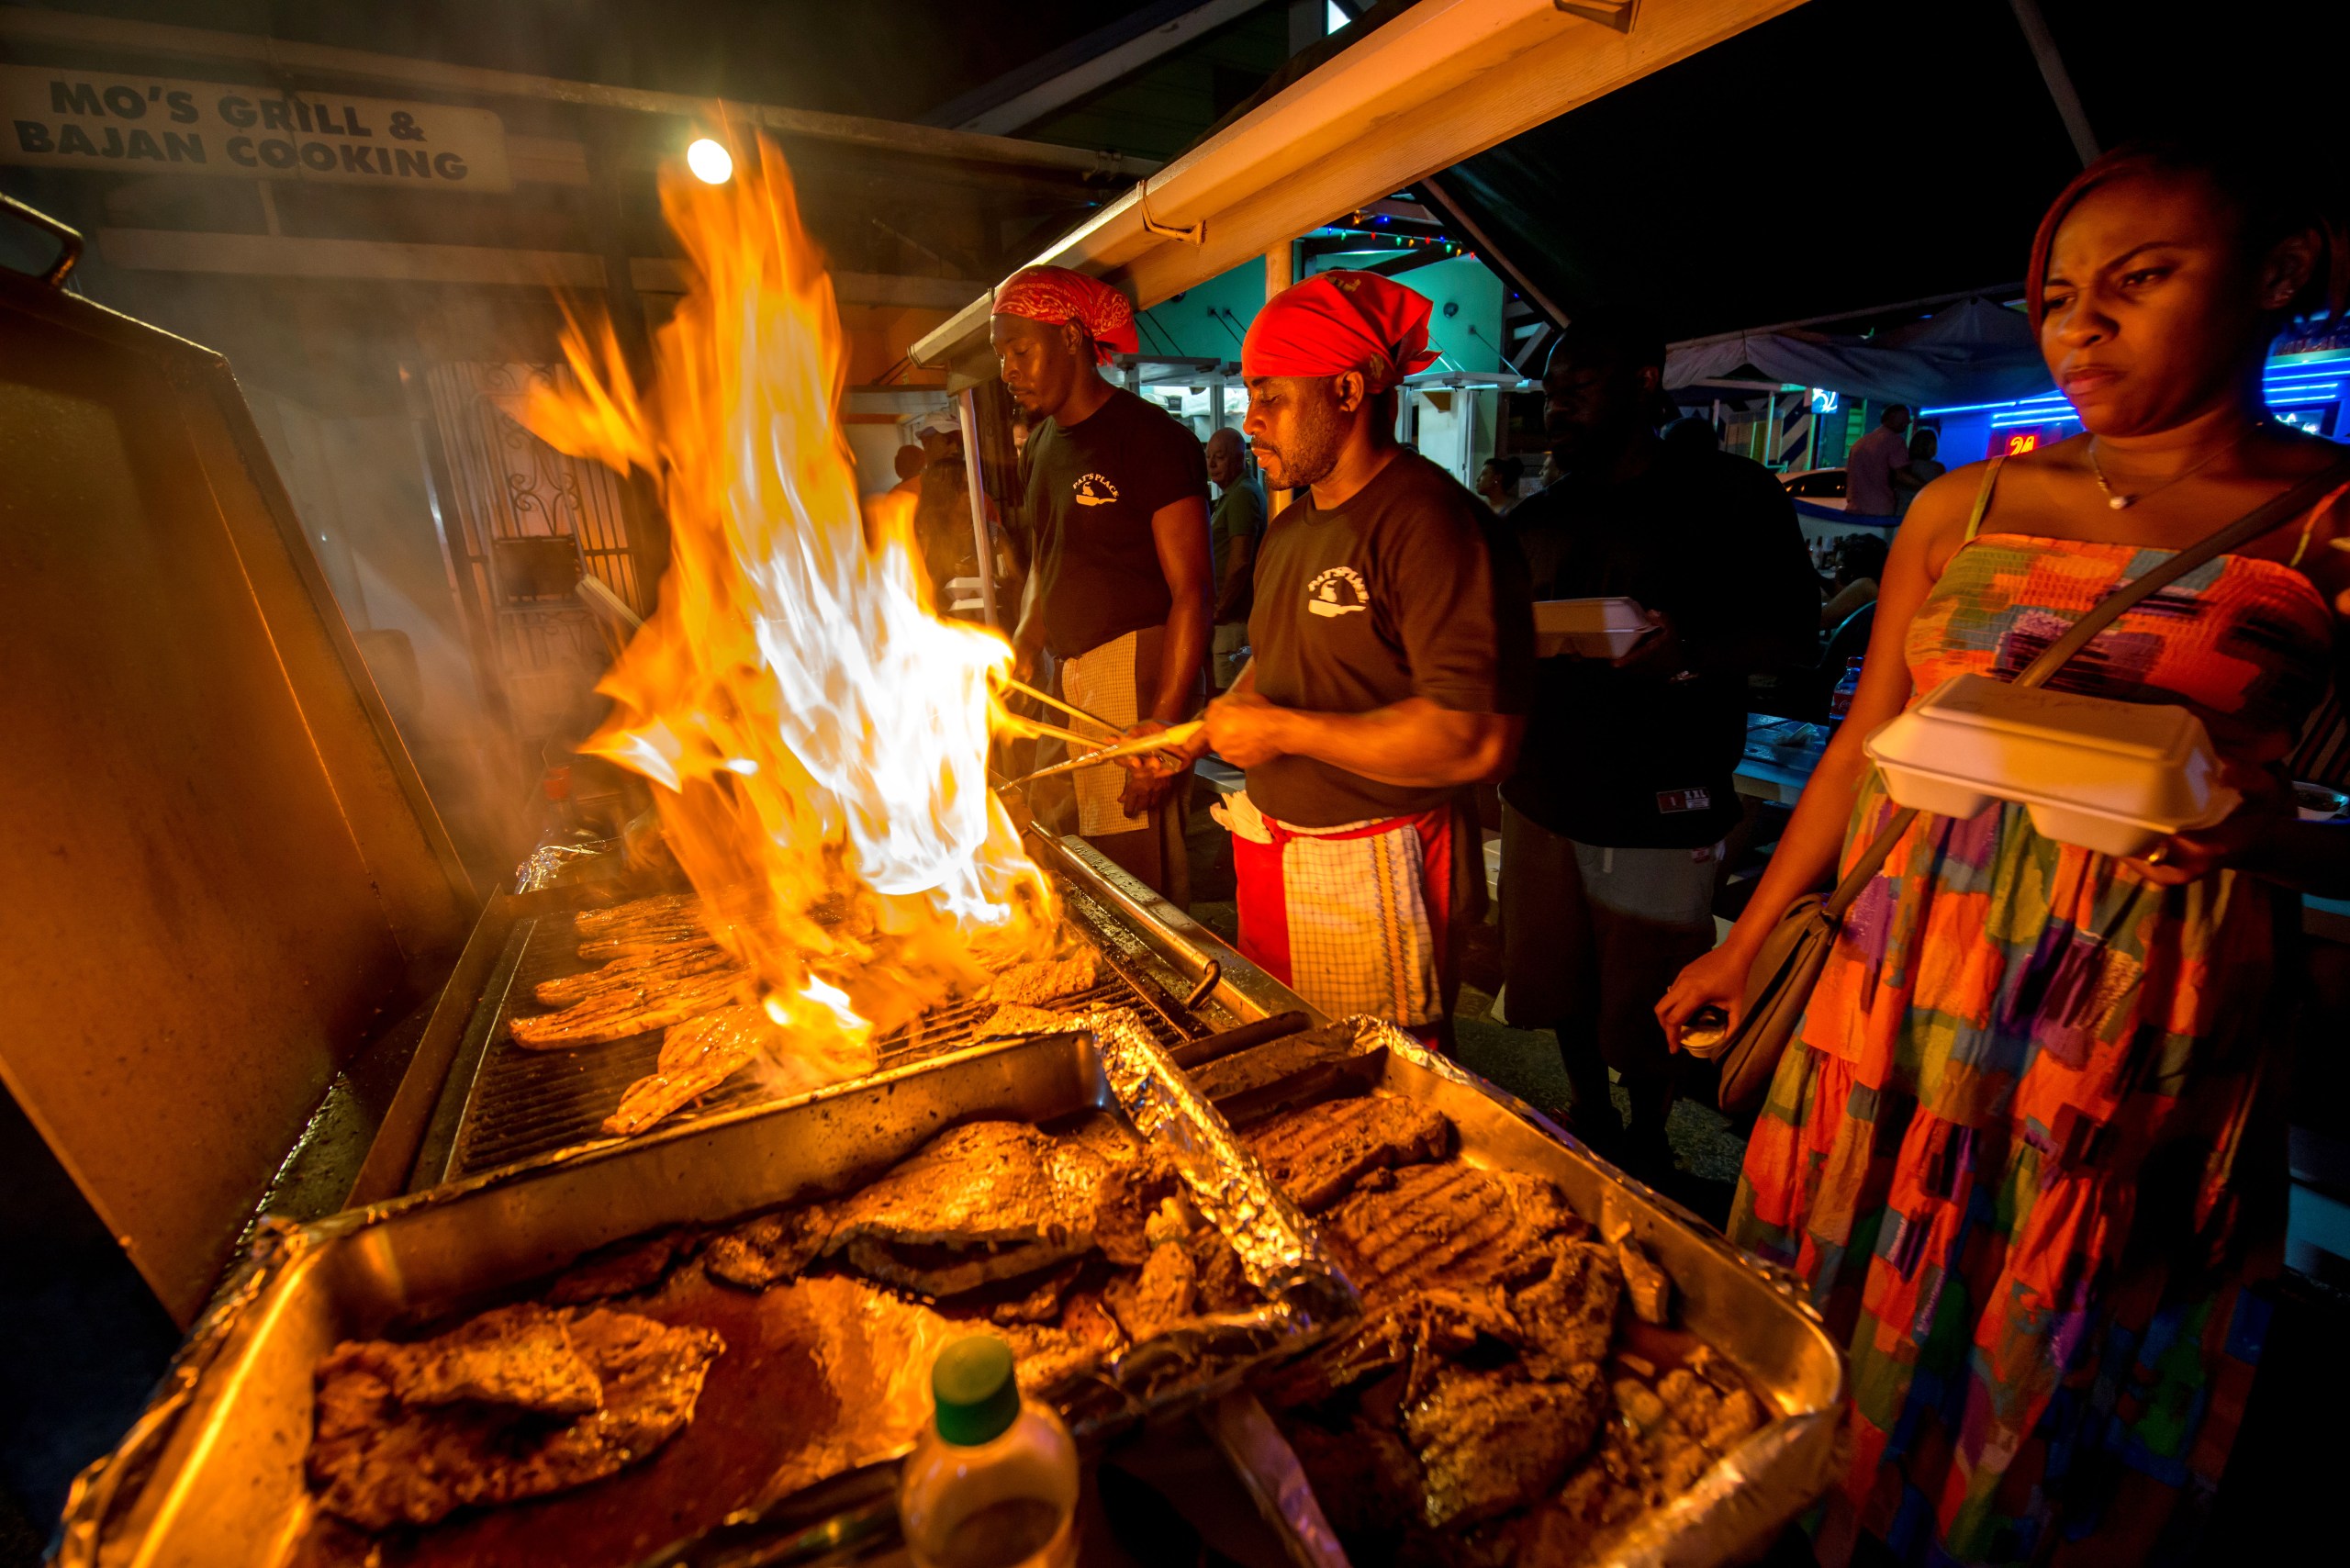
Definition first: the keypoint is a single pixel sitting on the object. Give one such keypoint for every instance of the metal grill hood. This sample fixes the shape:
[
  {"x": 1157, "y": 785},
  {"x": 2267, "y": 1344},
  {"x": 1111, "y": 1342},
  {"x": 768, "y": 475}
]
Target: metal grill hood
[{"x": 221, "y": 866}]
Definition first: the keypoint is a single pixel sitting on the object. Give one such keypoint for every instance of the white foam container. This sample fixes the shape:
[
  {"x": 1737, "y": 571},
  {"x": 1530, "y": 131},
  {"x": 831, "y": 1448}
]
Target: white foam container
[
  {"x": 1587, "y": 628},
  {"x": 2118, "y": 778}
]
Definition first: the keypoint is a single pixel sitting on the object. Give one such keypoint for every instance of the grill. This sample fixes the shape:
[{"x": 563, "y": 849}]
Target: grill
[{"x": 504, "y": 1104}]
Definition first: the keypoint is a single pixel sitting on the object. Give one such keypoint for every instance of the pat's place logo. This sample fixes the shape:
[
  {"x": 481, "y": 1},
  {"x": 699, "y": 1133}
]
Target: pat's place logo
[
  {"x": 1338, "y": 591},
  {"x": 1093, "y": 490}
]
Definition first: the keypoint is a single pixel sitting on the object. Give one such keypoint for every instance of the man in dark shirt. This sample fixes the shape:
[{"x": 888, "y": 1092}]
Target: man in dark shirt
[
  {"x": 1390, "y": 655},
  {"x": 1233, "y": 530},
  {"x": 1116, "y": 506},
  {"x": 1613, "y": 822}
]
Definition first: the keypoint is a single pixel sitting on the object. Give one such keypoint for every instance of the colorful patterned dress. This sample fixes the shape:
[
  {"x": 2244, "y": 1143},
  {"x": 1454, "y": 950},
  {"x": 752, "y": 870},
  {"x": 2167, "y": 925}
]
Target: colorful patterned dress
[{"x": 2003, "y": 1151}]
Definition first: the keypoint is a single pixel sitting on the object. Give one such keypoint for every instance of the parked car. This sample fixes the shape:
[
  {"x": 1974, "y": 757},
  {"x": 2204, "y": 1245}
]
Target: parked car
[{"x": 1822, "y": 487}]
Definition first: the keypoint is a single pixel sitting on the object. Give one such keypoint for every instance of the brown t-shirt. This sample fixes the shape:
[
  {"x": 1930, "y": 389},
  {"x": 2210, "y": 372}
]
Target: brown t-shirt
[{"x": 1409, "y": 589}]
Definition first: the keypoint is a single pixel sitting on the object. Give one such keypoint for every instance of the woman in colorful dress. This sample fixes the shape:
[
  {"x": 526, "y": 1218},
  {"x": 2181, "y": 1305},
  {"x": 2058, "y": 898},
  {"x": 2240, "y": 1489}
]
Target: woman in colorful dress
[{"x": 2024, "y": 1149}]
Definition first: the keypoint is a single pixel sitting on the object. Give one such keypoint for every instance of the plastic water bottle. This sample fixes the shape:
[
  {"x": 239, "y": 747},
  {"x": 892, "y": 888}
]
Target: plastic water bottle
[
  {"x": 1839, "y": 701},
  {"x": 992, "y": 1483}
]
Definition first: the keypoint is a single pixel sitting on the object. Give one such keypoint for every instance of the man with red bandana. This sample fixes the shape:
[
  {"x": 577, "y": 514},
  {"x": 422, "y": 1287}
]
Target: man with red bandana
[
  {"x": 1119, "y": 590},
  {"x": 1392, "y": 648}
]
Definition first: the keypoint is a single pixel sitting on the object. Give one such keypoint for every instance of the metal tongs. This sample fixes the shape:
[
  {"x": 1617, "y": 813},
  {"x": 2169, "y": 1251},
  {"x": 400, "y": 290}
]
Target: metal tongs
[{"x": 1105, "y": 750}]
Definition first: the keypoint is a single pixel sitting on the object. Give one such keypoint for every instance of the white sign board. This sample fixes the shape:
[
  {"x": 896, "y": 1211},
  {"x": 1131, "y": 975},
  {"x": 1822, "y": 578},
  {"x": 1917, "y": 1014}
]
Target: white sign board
[{"x": 74, "y": 120}]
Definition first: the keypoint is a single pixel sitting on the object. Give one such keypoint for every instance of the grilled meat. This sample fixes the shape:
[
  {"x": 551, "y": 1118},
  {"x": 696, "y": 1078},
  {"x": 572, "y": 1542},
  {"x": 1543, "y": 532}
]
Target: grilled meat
[
  {"x": 1366, "y": 1480},
  {"x": 986, "y": 1200},
  {"x": 1160, "y": 1296},
  {"x": 1044, "y": 980},
  {"x": 621, "y": 1269},
  {"x": 662, "y": 909},
  {"x": 1419, "y": 1332},
  {"x": 1318, "y": 1153},
  {"x": 1667, "y": 1437},
  {"x": 664, "y": 965},
  {"x": 1442, "y": 1224},
  {"x": 1042, "y": 1304},
  {"x": 1569, "y": 1314},
  {"x": 516, "y": 1356},
  {"x": 378, "y": 1459},
  {"x": 1019, "y": 1018},
  {"x": 769, "y": 1249},
  {"x": 696, "y": 1058},
  {"x": 1086, "y": 1337},
  {"x": 1490, "y": 1441},
  {"x": 628, "y": 1010}
]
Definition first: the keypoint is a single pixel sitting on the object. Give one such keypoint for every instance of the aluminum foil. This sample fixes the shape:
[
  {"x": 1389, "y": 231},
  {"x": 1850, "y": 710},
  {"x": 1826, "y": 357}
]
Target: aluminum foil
[{"x": 1308, "y": 1298}]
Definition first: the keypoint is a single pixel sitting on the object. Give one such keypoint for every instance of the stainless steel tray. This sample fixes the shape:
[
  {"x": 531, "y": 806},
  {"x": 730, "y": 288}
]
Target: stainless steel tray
[
  {"x": 1743, "y": 1307},
  {"x": 213, "y": 1472}
]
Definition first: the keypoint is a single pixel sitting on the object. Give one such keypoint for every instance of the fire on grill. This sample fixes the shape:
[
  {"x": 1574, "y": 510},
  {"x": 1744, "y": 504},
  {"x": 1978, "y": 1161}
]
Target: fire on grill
[
  {"x": 664, "y": 970},
  {"x": 817, "y": 735}
]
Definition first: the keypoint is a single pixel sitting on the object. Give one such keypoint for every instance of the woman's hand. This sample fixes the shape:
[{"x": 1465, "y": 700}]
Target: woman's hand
[
  {"x": 2237, "y": 841},
  {"x": 1717, "y": 981}
]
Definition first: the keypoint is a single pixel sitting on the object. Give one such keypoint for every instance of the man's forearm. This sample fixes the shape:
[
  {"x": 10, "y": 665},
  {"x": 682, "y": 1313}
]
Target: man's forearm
[
  {"x": 1181, "y": 656},
  {"x": 1414, "y": 743}
]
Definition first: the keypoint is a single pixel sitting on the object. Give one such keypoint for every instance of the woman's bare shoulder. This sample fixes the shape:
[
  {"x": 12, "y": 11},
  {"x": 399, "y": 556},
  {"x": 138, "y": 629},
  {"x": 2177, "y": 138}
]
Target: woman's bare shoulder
[{"x": 1936, "y": 522}]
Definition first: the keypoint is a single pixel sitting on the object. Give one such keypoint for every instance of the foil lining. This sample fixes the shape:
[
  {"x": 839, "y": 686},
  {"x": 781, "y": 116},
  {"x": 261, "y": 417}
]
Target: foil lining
[
  {"x": 1306, "y": 1296},
  {"x": 1308, "y": 1299}
]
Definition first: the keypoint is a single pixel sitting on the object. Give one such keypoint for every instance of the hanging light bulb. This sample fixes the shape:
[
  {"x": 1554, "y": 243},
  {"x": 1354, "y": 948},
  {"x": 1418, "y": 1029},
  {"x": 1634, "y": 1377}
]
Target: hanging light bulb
[{"x": 710, "y": 162}]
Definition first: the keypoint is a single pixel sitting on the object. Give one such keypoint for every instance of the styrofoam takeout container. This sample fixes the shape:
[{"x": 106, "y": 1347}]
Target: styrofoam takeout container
[
  {"x": 2118, "y": 778},
  {"x": 1587, "y": 628}
]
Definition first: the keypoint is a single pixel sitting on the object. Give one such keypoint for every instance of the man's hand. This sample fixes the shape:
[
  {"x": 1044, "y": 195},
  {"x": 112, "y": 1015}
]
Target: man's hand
[
  {"x": 1659, "y": 650},
  {"x": 1246, "y": 730},
  {"x": 1024, "y": 655}
]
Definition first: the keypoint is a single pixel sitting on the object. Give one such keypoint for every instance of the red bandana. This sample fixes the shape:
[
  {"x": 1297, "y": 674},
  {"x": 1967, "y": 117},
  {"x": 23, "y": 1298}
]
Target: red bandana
[
  {"x": 1337, "y": 322},
  {"x": 1057, "y": 293}
]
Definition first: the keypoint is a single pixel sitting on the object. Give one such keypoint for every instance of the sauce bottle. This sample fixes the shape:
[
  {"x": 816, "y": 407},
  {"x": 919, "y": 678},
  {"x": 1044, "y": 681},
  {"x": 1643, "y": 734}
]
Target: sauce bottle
[{"x": 994, "y": 1480}]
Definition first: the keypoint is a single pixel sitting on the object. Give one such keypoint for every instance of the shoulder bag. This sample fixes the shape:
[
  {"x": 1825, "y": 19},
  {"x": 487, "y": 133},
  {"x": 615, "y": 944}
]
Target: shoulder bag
[{"x": 1779, "y": 986}]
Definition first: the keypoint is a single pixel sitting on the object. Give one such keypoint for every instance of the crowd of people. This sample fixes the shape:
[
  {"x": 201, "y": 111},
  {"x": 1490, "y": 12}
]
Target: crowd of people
[{"x": 2024, "y": 1148}]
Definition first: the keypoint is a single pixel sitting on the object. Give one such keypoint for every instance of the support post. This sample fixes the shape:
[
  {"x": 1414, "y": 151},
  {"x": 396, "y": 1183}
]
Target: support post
[
  {"x": 966, "y": 410},
  {"x": 2059, "y": 80},
  {"x": 1281, "y": 271}
]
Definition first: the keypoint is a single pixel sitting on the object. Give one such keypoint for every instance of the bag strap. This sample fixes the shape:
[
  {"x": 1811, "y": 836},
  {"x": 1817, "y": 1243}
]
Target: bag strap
[{"x": 2263, "y": 519}]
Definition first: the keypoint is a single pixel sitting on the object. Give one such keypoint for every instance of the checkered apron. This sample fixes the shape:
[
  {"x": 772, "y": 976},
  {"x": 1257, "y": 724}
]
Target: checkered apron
[{"x": 1352, "y": 918}]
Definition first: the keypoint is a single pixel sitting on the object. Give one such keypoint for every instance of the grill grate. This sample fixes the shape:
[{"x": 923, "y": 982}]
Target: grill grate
[{"x": 523, "y": 1103}]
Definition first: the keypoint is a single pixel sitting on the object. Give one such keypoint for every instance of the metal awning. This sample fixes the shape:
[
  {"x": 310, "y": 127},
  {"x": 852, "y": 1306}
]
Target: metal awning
[{"x": 1447, "y": 79}]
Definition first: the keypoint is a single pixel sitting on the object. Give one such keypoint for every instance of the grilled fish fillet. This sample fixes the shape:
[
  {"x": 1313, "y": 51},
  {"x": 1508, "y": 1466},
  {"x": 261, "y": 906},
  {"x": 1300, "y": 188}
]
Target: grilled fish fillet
[
  {"x": 1019, "y": 1018},
  {"x": 643, "y": 939},
  {"x": 664, "y": 964},
  {"x": 1318, "y": 1153},
  {"x": 660, "y": 909},
  {"x": 1045, "y": 978},
  {"x": 697, "y": 1056},
  {"x": 629, "y": 1009},
  {"x": 982, "y": 1201},
  {"x": 378, "y": 1461}
]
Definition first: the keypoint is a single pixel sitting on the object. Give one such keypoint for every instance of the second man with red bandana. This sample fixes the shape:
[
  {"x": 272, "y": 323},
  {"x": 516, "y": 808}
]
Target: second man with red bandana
[{"x": 1120, "y": 589}]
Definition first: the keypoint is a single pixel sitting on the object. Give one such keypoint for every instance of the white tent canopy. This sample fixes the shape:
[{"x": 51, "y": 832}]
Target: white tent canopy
[{"x": 1974, "y": 351}]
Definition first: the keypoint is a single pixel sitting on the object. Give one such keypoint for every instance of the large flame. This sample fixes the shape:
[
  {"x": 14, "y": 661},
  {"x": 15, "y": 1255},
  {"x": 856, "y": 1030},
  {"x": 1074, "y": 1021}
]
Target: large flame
[{"x": 818, "y": 736}]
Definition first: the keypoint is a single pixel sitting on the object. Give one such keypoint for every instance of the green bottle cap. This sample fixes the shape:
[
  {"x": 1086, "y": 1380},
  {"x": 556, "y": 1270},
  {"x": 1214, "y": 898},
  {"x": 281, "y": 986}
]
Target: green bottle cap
[{"x": 977, "y": 1397}]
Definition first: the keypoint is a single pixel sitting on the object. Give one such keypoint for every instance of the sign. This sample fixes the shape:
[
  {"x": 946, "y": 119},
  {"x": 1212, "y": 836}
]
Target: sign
[
  {"x": 1823, "y": 401},
  {"x": 74, "y": 119},
  {"x": 2026, "y": 440}
]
